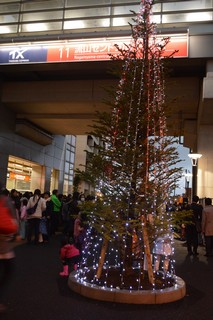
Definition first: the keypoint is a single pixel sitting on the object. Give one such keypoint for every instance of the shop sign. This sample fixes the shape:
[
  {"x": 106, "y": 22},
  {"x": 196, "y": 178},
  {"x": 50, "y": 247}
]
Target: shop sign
[
  {"x": 16, "y": 176},
  {"x": 86, "y": 50}
]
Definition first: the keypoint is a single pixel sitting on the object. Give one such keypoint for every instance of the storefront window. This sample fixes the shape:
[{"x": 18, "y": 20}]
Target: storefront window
[{"x": 23, "y": 175}]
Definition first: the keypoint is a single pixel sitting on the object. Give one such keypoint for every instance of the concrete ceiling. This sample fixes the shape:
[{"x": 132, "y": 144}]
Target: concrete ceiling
[{"x": 63, "y": 98}]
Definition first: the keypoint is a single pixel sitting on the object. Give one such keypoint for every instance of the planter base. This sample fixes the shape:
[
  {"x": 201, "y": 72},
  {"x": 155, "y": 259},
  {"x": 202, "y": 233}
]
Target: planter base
[{"x": 167, "y": 295}]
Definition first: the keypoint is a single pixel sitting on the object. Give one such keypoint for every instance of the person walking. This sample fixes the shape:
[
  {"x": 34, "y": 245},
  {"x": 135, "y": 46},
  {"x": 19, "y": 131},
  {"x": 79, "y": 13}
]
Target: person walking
[
  {"x": 207, "y": 226},
  {"x": 34, "y": 219},
  {"x": 7, "y": 243}
]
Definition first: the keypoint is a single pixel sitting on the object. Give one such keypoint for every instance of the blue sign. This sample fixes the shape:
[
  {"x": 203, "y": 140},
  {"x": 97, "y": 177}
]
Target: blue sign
[{"x": 23, "y": 55}]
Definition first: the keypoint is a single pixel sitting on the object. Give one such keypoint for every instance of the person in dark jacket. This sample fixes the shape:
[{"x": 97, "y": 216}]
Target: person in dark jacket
[
  {"x": 193, "y": 229},
  {"x": 70, "y": 211}
]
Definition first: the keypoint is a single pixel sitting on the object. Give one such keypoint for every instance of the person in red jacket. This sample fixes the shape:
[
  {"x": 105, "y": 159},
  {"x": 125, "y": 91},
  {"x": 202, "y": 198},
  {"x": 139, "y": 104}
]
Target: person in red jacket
[{"x": 69, "y": 255}]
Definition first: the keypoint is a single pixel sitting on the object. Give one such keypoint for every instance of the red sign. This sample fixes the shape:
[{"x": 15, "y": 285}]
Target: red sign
[
  {"x": 99, "y": 49},
  {"x": 19, "y": 176}
]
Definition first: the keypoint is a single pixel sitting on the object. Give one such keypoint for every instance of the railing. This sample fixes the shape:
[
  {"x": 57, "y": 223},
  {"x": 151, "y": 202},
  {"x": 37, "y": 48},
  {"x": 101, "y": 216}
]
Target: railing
[{"x": 51, "y": 17}]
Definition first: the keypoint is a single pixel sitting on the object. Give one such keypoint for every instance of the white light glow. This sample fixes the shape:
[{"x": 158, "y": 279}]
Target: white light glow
[
  {"x": 77, "y": 24},
  {"x": 105, "y": 23},
  {"x": 198, "y": 16},
  {"x": 36, "y": 27},
  {"x": 119, "y": 22},
  {"x": 5, "y": 29},
  {"x": 194, "y": 158},
  {"x": 155, "y": 19}
]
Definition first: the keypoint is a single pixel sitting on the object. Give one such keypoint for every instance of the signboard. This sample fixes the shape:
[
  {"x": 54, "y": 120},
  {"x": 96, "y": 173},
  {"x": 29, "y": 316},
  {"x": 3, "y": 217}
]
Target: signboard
[
  {"x": 77, "y": 50},
  {"x": 19, "y": 176}
]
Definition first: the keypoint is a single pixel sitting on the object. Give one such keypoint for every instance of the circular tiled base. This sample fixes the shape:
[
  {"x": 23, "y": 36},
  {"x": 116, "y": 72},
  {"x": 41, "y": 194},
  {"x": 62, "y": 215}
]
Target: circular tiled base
[{"x": 167, "y": 295}]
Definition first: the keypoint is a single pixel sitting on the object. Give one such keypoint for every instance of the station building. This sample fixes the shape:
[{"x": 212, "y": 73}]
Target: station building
[{"x": 54, "y": 69}]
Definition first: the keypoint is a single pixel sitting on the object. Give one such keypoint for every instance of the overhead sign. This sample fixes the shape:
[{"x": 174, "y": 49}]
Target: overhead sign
[{"x": 77, "y": 50}]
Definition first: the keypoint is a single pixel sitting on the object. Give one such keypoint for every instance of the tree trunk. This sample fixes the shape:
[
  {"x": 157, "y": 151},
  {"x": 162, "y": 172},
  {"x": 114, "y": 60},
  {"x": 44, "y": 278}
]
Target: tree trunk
[{"x": 102, "y": 257}]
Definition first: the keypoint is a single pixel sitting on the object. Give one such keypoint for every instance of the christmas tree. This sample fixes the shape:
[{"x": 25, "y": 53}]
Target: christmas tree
[{"x": 135, "y": 170}]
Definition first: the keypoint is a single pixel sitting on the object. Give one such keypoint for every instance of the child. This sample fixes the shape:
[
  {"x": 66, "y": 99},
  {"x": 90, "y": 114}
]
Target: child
[
  {"x": 163, "y": 251},
  {"x": 69, "y": 254},
  {"x": 23, "y": 219}
]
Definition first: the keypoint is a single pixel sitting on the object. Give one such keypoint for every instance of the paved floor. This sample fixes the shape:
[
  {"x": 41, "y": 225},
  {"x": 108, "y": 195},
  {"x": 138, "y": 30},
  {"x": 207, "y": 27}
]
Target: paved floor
[{"x": 38, "y": 293}]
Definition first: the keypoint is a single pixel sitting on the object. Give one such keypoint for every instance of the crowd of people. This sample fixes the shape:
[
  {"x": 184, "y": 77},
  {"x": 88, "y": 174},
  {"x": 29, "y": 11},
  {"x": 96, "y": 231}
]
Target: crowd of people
[
  {"x": 54, "y": 212},
  {"x": 198, "y": 227},
  {"x": 38, "y": 217}
]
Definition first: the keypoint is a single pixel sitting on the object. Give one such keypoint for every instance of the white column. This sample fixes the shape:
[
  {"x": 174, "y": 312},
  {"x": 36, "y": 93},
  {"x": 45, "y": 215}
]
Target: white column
[
  {"x": 205, "y": 164},
  {"x": 205, "y": 136}
]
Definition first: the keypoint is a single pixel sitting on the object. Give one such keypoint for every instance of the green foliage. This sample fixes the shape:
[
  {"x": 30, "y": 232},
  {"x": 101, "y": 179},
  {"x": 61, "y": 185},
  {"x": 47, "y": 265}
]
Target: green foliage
[
  {"x": 184, "y": 217},
  {"x": 136, "y": 168},
  {"x": 105, "y": 219}
]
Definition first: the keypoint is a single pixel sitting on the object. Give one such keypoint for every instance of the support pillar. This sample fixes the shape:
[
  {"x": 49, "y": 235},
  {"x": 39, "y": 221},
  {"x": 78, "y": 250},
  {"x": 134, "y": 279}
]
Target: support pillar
[
  {"x": 205, "y": 164},
  {"x": 205, "y": 136}
]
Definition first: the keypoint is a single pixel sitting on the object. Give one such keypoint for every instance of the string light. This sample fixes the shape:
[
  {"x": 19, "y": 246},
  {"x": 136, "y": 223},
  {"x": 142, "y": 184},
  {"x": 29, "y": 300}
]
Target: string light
[{"x": 137, "y": 180}]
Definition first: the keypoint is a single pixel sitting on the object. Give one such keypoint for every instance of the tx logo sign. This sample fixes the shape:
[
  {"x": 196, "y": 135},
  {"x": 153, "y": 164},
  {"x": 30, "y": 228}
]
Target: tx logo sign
[{"x": 17, "y": 54}]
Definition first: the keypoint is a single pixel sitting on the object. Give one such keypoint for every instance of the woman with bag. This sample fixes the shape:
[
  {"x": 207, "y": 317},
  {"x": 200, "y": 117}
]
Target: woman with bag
[
  {"x": 8, "y": 231},
  {"x": 33, "y": 220}
]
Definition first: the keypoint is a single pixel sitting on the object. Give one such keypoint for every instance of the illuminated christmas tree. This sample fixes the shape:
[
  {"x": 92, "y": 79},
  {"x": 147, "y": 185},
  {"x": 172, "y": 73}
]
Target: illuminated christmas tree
[{"x": 135, "y": 170}]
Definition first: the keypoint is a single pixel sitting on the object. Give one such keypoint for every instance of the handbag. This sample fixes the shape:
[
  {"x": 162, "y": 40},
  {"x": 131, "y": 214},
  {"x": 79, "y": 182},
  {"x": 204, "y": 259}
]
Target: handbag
[
  {"x": 33, "y": 208},
  {"x": 43, "y": 226},
  {"x": 8, "y": 224}
]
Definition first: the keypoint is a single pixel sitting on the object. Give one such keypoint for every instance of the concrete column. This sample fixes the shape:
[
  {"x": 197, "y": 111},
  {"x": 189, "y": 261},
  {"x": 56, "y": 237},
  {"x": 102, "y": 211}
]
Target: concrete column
[
  {"x": 3, "y": 168},
  {"x": 205, "y": 163},
  {"x": 205, "y": 136},
  {"x": 47, "y": 179}
]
